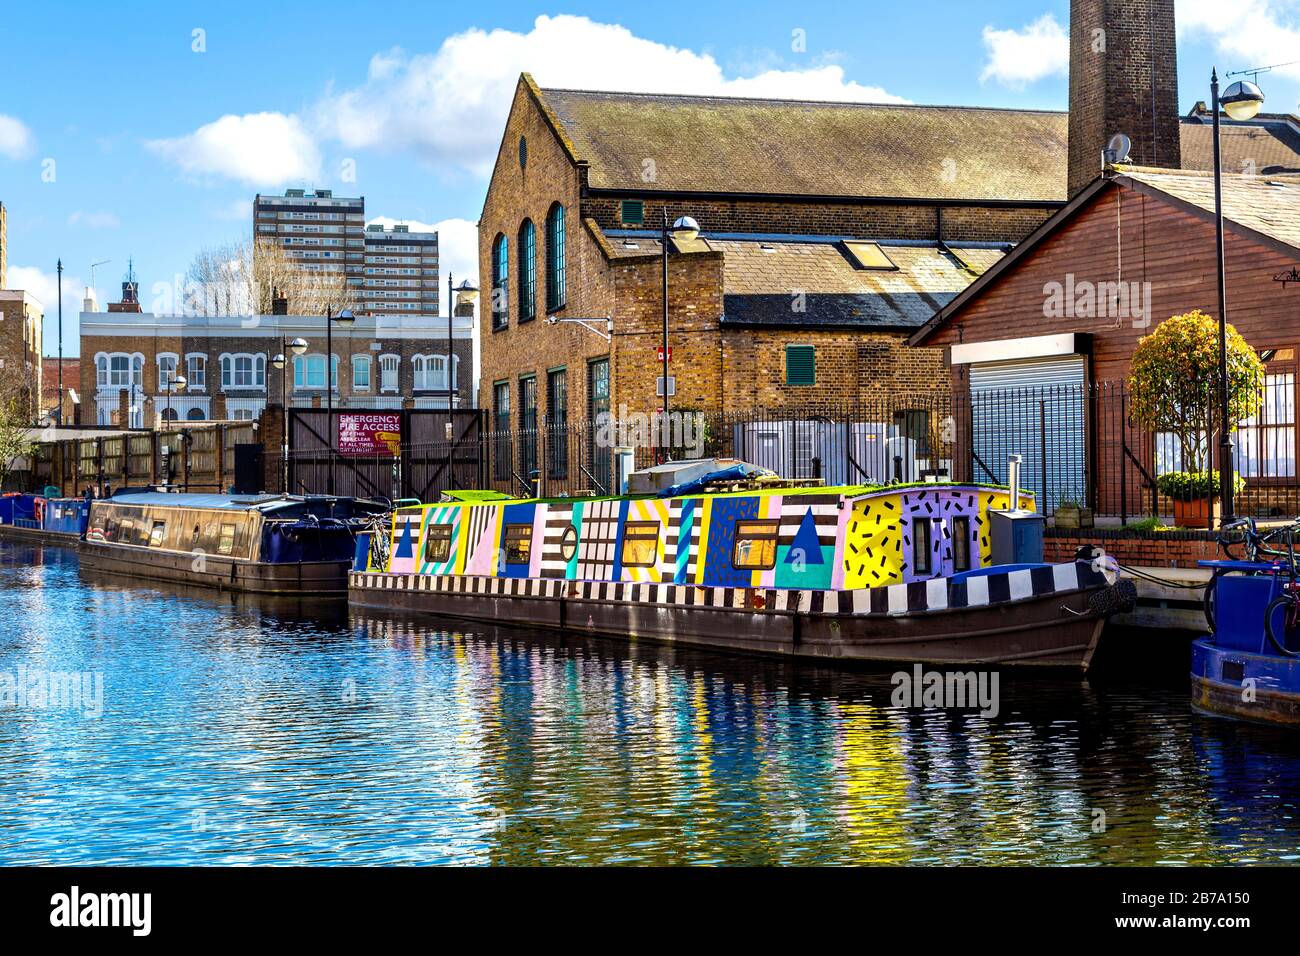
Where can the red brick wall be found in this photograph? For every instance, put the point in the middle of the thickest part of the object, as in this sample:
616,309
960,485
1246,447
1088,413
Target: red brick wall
1170,550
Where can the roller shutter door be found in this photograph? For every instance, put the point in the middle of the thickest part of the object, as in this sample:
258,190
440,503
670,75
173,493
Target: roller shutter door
1035,408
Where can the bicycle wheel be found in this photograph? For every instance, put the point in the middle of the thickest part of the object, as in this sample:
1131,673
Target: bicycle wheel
1287,603
1207,601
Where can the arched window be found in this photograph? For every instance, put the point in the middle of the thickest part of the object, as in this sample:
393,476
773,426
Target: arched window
388,366
500,283
243,371
527,271
555,291
195,414
361,373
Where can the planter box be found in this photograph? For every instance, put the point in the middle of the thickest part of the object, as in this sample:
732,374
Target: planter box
1068,517
1196,514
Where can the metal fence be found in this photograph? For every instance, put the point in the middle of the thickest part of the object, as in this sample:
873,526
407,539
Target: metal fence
1079,444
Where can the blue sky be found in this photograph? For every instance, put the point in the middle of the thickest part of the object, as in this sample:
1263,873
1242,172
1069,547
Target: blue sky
124,133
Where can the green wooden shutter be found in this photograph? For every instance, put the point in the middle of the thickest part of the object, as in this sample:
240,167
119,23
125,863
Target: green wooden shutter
800,365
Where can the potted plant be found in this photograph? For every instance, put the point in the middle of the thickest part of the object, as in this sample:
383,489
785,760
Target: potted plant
1194,496
1174,389
1072,514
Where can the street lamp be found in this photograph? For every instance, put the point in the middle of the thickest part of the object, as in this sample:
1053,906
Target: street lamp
172,383
685,229
1241,101
465,293
346,319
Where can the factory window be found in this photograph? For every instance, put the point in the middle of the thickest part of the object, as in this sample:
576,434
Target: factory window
640,544
555,266
632,212
527,271
500,283
755,547
800,365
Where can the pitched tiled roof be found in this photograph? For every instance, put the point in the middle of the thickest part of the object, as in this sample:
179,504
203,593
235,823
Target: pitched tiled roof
1265,204
1265,144
814,285
787,147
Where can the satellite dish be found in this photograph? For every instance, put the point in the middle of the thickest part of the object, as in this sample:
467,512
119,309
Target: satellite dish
1117,149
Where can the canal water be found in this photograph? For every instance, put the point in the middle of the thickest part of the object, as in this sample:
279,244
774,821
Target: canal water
238,731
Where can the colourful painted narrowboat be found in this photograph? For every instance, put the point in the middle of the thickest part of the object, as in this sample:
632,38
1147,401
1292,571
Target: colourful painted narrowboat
895,573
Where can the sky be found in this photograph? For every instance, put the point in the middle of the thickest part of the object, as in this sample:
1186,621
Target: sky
142,131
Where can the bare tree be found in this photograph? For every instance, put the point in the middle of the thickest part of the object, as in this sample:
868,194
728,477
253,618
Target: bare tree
243,279
17,437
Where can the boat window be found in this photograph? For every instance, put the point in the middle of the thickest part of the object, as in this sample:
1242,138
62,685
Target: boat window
569,543
961,544
126,531
519,543
110,530
156,534
196,538
921,546
226,544
640,544
755,548
437,543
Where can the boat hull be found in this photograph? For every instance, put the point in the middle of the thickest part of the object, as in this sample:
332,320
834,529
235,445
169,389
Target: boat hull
1260,688
9,532
325,578
1045,628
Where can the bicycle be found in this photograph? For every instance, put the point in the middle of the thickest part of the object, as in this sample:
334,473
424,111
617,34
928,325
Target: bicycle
1256,550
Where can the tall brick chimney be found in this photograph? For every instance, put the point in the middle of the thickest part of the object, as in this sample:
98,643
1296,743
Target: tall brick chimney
1123,79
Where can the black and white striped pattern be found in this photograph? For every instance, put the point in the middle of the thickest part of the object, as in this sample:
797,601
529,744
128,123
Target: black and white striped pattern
559,518
936,594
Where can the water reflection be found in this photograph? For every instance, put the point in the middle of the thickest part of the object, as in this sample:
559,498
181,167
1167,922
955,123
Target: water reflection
239,730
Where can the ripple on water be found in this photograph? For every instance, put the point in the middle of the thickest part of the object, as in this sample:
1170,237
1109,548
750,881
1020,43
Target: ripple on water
242,732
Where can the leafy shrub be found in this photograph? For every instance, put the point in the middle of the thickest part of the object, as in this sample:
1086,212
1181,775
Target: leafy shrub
1194,485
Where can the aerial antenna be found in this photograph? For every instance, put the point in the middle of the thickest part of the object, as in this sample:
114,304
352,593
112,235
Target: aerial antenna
1254,72
94,266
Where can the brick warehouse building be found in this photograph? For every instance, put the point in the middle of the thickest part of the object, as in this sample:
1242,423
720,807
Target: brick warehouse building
830,231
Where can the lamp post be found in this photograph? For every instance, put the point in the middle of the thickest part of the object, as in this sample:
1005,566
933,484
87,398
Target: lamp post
60,412
1241,101
685,229
298,346
466,292
345,318
172,383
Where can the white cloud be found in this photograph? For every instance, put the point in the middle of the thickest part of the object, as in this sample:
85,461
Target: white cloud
1017,58
93,220
44,287
451,105
261,149
16,140
1251,32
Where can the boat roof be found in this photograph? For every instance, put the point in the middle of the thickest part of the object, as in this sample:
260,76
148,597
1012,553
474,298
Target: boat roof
261,502
844,491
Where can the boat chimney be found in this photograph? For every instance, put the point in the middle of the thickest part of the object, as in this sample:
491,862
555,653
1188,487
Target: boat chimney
1013,479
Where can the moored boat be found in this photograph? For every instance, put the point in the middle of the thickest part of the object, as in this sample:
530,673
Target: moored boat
43,519
1249,667
900,573
263,544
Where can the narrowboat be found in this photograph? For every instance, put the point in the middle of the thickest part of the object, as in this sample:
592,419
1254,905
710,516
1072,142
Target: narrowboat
260,544
1248,668
900,573
43,519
